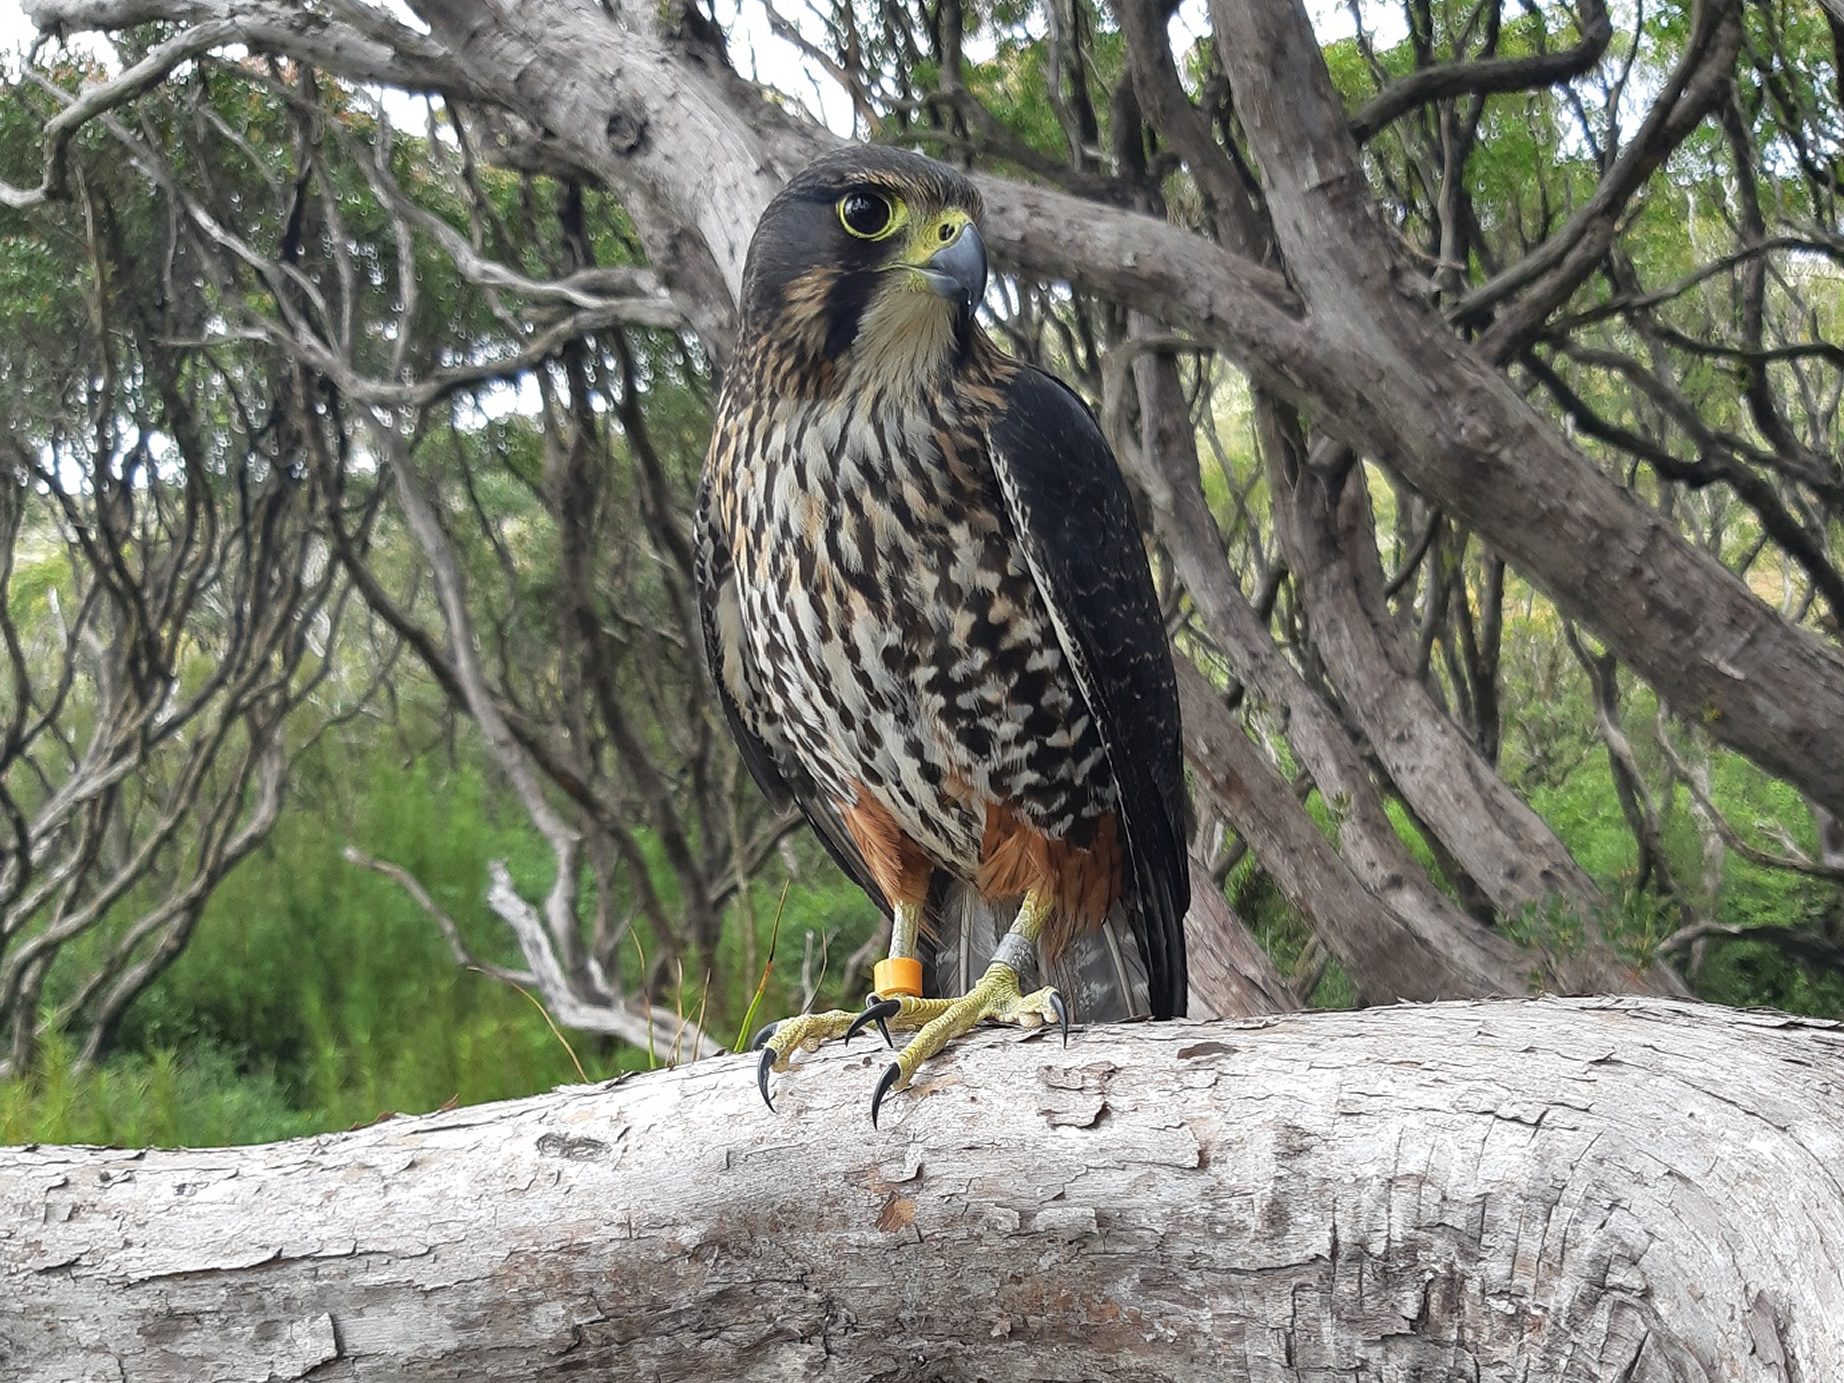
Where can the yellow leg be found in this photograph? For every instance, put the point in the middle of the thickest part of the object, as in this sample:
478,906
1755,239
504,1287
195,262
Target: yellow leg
996,998
805,1032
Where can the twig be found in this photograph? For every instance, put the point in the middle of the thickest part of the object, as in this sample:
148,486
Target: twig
768,966
409,883
556,1032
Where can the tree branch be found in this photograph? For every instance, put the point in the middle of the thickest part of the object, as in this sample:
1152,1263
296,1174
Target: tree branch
360,43
1492,76
1468,442
1530,1189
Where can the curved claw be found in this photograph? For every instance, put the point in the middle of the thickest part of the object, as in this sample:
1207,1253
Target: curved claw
763,1033
890,1077
875,1012
1062,1014
763,1067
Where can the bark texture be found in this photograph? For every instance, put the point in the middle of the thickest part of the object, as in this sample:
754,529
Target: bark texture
1641,1190
1457,430
647,103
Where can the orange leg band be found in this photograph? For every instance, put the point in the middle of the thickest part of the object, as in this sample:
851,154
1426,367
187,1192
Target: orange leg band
897,977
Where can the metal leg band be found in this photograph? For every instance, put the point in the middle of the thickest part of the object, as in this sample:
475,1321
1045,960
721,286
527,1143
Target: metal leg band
1016,952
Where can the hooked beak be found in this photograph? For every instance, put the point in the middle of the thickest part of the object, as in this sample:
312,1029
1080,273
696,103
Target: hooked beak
957,270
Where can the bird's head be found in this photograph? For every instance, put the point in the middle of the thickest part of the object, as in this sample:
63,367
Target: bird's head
866,269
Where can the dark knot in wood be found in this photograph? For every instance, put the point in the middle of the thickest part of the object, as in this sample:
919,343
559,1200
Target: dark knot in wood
625,130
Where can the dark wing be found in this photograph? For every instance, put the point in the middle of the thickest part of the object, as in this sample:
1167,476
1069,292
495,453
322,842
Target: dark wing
1075,519
778,775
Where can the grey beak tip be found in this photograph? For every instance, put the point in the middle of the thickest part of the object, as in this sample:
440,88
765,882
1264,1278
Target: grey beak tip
958,269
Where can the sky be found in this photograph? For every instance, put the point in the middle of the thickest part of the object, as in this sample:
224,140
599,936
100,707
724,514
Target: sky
757,51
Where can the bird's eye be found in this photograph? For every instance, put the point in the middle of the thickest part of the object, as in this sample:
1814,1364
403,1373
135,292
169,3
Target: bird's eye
866,215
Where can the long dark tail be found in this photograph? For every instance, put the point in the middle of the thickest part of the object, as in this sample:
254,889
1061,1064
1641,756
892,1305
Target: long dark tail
1101,975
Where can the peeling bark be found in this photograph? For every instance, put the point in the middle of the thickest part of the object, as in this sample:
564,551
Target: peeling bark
1537,1190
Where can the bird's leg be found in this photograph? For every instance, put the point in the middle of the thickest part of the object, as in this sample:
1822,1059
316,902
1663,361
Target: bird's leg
995,998
899,982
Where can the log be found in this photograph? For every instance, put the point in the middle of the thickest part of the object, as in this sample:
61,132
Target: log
1633,1189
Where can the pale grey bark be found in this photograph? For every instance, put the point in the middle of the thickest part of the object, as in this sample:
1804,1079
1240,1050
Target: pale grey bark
1536,1191
695,153
623,96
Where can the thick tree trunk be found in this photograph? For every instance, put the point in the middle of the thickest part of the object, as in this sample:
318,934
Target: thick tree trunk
1536,1190
695,153
1458,431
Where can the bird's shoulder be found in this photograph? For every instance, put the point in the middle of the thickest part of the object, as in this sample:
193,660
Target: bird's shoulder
1061,478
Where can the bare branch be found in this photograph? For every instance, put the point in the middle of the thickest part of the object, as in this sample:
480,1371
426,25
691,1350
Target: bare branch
1445,81
457,948
653,1031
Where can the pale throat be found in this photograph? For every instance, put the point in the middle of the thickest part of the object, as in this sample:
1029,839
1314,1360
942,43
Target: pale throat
905,338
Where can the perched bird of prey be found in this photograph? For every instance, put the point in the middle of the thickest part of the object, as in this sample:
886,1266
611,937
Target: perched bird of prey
928,611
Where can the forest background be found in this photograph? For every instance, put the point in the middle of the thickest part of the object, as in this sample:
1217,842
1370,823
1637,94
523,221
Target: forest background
281,685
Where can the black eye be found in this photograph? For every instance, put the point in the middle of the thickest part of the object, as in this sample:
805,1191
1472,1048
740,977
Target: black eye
866,215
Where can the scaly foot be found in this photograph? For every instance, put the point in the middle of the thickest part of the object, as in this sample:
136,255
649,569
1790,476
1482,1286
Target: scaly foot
804,1032
995,999
936,1022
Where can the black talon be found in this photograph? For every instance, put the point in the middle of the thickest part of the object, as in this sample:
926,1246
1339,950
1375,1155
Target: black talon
890,1078
875,1012
762,1069
763,1033
1062,1013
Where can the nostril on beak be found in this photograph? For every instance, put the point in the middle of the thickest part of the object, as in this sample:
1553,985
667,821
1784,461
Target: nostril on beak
958,268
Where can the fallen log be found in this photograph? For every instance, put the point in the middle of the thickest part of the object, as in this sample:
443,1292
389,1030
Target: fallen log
1633,1189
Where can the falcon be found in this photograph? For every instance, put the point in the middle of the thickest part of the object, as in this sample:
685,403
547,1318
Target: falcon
929,616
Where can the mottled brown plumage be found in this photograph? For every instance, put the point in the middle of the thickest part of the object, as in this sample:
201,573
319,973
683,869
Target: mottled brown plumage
925,600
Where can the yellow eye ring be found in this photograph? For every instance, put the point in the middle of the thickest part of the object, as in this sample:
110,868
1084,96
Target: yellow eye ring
868,215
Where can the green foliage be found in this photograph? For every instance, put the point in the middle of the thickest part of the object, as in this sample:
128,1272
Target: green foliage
1585,812
317,995
1283,934
826,904
1759,974
200,1098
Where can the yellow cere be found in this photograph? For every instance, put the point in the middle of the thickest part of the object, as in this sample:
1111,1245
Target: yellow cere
938,232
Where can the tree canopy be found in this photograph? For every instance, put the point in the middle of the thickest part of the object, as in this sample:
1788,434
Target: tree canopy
1475,365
